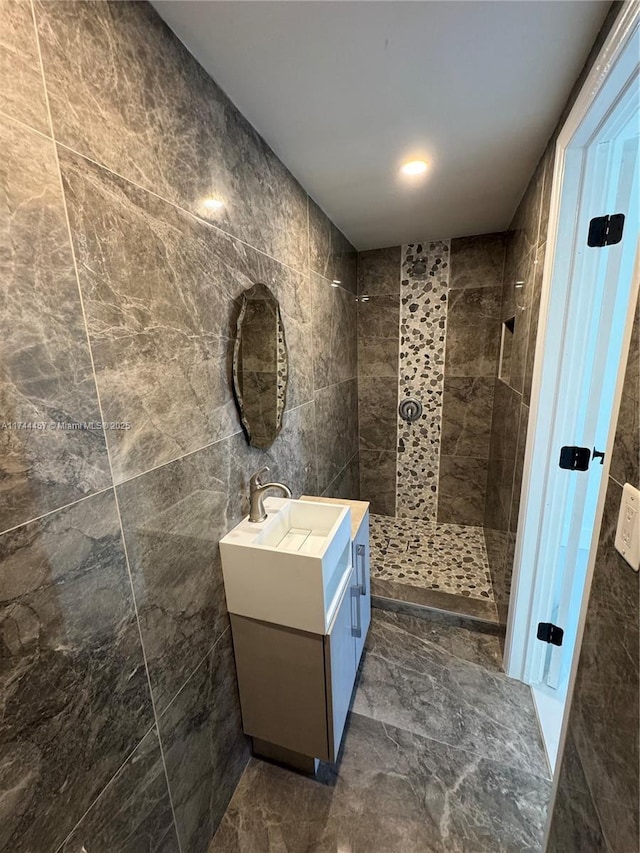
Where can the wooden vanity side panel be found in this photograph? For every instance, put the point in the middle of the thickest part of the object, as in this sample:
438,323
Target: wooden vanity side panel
281,679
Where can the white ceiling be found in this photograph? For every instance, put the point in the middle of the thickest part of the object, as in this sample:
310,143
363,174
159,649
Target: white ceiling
344,92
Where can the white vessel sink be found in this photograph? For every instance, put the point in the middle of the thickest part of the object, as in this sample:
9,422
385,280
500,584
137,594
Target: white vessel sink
291,568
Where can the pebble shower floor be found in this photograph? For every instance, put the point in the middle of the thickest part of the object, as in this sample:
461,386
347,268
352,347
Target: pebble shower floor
448,557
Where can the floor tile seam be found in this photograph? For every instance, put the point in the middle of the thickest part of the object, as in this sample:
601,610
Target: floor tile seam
531,723
429,647
459,749
410,670
500,677
512,762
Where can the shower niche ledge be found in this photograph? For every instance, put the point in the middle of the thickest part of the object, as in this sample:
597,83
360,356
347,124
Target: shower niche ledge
298,594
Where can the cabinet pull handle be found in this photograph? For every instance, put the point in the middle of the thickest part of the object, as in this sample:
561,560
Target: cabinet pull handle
360,552
356,592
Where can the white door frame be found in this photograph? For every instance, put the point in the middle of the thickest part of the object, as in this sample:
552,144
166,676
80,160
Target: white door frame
609,73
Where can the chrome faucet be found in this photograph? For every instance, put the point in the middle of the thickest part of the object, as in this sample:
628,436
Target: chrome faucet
256,495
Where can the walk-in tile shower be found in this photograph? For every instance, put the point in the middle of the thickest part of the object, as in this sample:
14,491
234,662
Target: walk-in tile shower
429,331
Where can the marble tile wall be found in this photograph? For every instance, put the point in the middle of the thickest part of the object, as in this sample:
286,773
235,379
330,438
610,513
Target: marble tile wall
120,726
473,343
520,300
597,803
428,327
378,364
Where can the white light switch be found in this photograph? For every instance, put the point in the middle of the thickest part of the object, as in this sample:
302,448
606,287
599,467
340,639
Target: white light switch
628,530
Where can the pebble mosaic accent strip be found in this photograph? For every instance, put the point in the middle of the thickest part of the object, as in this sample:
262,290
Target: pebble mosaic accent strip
423,326
448,557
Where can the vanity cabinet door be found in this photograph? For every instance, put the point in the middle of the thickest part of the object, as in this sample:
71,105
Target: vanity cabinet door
361,564
341,666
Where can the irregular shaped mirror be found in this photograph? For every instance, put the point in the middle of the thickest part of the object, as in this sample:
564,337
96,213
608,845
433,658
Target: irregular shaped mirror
260,366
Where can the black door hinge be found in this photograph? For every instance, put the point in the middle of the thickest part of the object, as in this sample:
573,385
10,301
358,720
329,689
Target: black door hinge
549,633
575,458
578,458
605,230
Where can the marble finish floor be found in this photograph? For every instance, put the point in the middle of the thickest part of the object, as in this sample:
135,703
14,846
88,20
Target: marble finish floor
442,754
451,558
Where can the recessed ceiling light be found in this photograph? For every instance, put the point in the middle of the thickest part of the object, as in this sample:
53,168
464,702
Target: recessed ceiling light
213,203
414,167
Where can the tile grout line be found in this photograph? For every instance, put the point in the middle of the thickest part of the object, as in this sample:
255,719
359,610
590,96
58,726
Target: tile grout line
177,206
116,485
113,484
146,734
12,120
184,210
193,671
171,461
56,509
117,505
333,385
465,750
51,139
331,284
341,471
107,786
